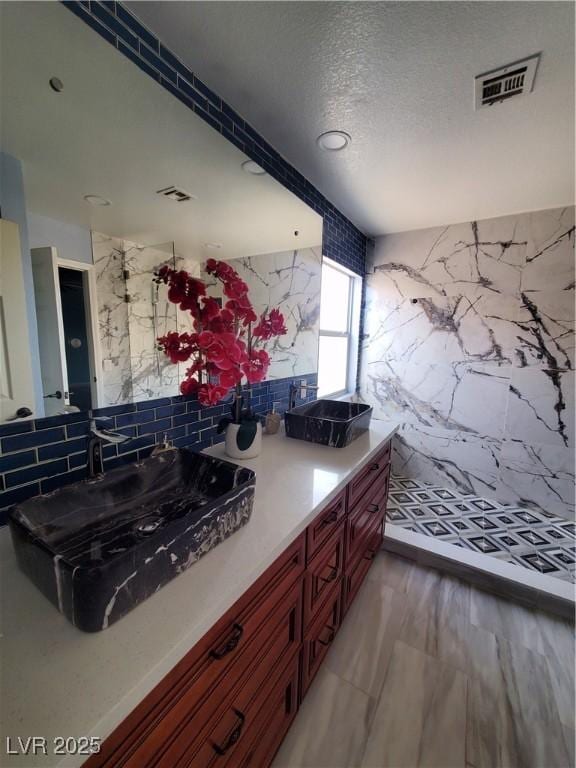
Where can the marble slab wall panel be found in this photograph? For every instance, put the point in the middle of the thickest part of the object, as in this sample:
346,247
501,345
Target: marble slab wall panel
132,368
110,286
470,344
289,281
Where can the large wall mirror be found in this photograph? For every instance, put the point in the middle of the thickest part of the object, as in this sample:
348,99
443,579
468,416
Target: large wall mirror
105,177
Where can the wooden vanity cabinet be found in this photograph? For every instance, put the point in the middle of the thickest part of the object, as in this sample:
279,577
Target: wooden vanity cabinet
231,699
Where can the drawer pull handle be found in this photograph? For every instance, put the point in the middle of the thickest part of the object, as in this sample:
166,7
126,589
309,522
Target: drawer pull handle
331,636
375,467
230,644
234,736
370,555
332,576
373,508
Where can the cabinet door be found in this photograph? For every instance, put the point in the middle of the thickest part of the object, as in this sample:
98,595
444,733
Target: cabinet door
365,479
360,565
319,637
325,569
325,524
366,513
276,717
230,712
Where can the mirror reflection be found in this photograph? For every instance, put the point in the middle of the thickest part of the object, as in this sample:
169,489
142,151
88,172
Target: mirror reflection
98,195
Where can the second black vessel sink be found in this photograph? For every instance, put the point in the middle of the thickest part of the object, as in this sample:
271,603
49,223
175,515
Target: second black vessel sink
98,548
328,422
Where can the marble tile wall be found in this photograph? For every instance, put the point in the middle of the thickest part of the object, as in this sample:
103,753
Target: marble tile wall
289,281
132,368
470,344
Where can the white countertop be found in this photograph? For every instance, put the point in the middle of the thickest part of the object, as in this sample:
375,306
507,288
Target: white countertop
59,681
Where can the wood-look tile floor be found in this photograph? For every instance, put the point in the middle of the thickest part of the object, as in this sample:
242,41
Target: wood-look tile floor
427,670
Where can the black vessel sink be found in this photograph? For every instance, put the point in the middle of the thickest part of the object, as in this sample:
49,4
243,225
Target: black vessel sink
98,548
328,422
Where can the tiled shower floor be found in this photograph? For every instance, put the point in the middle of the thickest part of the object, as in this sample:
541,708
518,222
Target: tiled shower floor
538,541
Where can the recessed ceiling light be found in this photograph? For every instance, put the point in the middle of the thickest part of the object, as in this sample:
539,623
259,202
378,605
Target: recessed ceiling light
333,141
97,200
213,246
251,167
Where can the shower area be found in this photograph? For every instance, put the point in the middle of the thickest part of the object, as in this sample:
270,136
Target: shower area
133,311
469,346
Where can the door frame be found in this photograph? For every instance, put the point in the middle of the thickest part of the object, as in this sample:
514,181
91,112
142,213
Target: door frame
92,324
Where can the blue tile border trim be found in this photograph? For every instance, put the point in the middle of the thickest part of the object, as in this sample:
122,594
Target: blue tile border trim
341,240
40,456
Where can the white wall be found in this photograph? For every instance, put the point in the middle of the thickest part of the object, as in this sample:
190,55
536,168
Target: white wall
71,242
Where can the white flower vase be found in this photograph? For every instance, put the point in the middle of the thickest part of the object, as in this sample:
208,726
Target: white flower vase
243,441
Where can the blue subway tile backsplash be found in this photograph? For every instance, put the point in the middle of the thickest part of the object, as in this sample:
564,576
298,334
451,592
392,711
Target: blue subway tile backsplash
50,453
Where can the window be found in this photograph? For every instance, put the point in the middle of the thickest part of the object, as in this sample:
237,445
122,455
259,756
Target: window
338,343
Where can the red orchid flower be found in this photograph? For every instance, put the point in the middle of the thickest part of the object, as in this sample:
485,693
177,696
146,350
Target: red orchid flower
222,348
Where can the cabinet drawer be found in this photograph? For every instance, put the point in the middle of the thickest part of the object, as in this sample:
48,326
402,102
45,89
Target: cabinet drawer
218,661
325,524
360,565
275,719
366,512
319,637
233,738
230,710
323,571
366,477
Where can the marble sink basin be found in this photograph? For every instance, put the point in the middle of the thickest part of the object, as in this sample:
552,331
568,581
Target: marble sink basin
328,422
100,547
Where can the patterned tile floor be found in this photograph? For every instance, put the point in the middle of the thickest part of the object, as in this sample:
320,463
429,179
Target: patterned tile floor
536,540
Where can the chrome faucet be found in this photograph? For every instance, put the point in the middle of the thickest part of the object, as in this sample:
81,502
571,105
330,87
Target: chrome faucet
293,393
99,436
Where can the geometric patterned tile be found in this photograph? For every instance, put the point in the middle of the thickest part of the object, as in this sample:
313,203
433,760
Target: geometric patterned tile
483,505
509,541
441,510
424,495
554,534
460,526
484,523
569,528
532,537
538,541
506,520
419,513
538,562
526,517
436,528
395,514
563,556
484,544
408,484
401,497
442,493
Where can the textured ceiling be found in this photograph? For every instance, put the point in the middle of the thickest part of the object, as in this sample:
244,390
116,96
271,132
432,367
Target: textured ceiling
399,78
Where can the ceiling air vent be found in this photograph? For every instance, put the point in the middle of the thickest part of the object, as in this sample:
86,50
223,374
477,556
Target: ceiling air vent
499,84
173,193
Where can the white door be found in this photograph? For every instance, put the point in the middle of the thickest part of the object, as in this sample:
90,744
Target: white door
16,386
50,329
